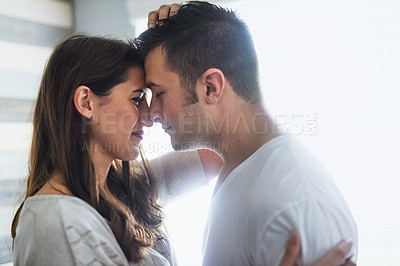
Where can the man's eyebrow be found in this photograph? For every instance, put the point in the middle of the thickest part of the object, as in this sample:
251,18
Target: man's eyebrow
138,90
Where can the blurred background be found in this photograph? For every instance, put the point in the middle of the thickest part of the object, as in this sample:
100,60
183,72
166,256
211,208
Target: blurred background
330,72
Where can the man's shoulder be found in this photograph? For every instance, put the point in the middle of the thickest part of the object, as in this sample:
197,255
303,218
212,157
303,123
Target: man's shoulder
280,153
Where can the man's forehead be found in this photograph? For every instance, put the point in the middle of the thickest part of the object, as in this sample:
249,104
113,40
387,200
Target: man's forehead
157,52
151,85
156,66
154,62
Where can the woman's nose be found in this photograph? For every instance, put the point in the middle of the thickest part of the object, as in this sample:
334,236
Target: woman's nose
144,114
154,110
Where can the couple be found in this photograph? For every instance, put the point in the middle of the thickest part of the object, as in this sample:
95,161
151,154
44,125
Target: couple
87,202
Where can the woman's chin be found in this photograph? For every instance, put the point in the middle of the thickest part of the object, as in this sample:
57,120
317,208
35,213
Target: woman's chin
133,155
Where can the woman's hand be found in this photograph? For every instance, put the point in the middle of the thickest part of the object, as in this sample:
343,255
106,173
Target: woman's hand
211,161
163,12
332,258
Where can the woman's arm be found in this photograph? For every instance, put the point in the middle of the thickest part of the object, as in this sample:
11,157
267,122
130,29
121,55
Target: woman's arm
176,173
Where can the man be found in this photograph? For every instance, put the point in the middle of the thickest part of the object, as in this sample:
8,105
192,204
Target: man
202,68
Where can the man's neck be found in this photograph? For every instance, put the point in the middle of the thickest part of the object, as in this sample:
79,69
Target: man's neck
249,129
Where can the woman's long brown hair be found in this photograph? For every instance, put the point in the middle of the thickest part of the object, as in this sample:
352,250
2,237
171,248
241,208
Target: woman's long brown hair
60,140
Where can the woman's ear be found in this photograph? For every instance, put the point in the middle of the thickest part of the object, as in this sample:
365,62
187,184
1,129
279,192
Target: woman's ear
83,101
213,84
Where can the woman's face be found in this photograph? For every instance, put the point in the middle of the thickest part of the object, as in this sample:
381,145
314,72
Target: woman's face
116,128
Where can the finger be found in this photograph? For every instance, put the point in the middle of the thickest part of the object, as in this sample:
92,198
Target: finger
336,255
292,250
349,262
174,9
151,19
163,11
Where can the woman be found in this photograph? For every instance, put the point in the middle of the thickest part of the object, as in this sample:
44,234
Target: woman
84,201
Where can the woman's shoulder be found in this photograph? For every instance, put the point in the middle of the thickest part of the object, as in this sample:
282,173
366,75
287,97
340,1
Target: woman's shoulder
61,223
57,204
62,209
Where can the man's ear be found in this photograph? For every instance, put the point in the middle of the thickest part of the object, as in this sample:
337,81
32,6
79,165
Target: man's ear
213,84
83,101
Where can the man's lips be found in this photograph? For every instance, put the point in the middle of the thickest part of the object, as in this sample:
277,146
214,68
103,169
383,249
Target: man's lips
166,129
138,134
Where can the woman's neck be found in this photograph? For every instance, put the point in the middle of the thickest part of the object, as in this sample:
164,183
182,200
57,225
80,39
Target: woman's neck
55,186
101,163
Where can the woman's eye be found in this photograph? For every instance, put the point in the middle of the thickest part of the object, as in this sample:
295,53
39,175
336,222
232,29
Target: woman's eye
138,100
141,98
158,94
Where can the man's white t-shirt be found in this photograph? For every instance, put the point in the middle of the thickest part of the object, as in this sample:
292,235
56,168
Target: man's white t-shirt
279,188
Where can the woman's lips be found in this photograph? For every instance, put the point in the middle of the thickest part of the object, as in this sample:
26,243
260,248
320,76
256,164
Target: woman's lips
138,134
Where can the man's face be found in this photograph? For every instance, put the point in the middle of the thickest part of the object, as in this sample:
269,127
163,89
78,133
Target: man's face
168,104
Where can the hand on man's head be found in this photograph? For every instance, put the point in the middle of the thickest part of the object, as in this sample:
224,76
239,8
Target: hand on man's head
163,12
